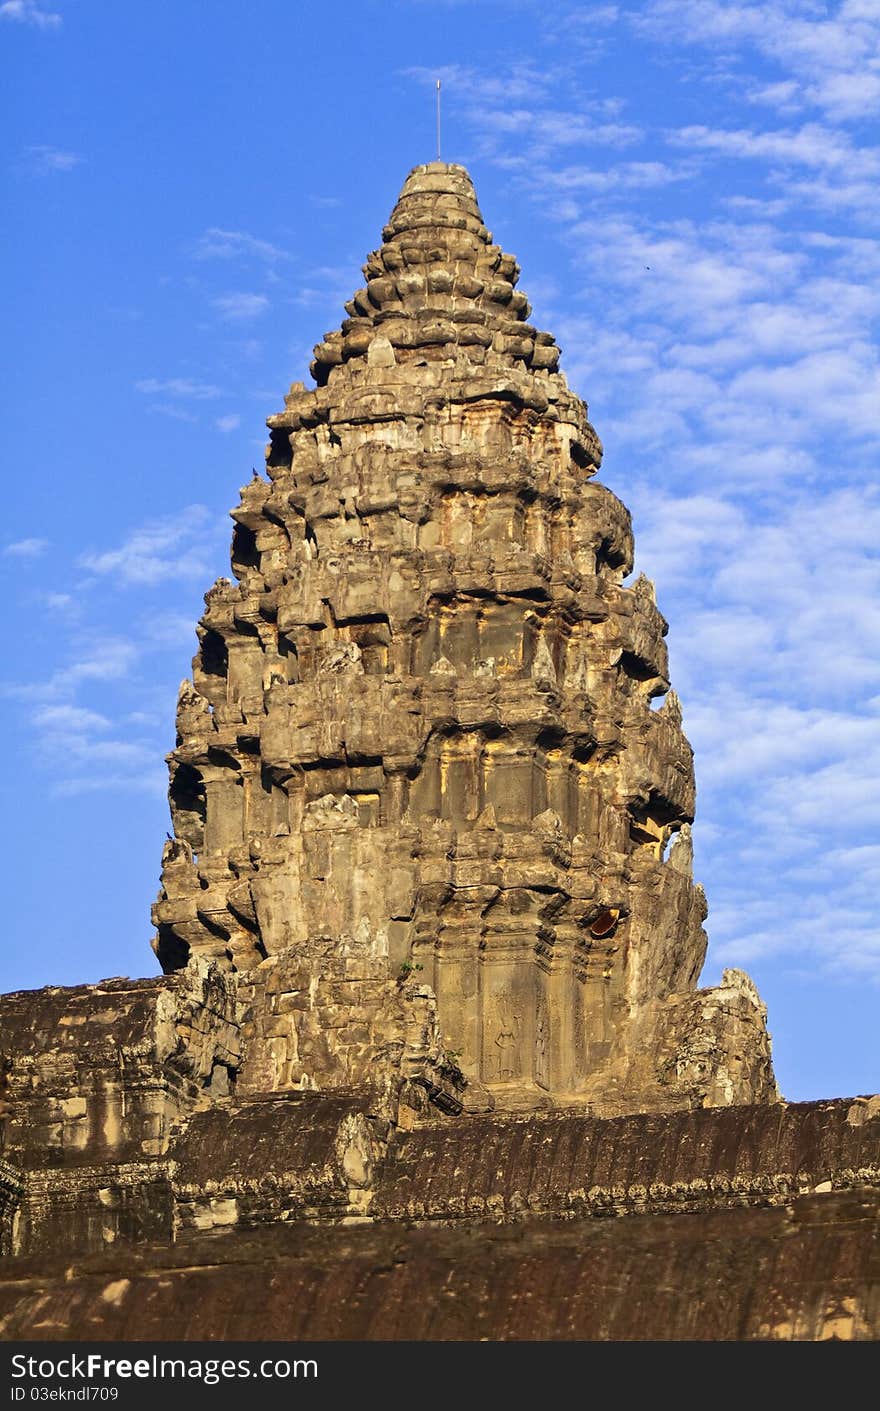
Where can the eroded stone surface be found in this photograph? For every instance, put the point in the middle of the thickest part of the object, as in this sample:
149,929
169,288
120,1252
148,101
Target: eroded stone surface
98,1081
803,1272
421,799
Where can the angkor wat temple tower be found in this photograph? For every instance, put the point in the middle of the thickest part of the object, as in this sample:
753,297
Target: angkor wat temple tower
429,929
422,799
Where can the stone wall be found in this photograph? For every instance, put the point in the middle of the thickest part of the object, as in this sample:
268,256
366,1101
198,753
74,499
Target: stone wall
805,1271
98,1081
200,1156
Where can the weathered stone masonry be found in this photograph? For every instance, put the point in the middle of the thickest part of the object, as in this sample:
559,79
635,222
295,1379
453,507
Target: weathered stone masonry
427,921
419,743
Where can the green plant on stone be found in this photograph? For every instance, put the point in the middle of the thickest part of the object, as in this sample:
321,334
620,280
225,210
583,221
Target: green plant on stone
407,969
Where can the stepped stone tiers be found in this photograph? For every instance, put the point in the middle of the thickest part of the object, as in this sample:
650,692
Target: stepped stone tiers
421,799
427,921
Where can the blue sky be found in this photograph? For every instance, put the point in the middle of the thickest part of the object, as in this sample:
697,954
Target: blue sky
692,190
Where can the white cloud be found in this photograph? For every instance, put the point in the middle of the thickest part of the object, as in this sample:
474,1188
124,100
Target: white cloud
26,548
546,130
106,659
75,742
239,307
698,272
170,629
624,176
784,96
228,423
812,145
174,411
521,82
149,778
29,12
589,17
517,117
842,386
183,387
850,94
778,327
842,173
324,285
860,198
786,740
774,605
46,159
69,719
177,547
91,658
62,602
220,244
833,57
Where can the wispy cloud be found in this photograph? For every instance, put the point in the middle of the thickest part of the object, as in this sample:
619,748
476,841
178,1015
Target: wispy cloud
62,603
29,12
786,728
92,718
620,177
812,145
177,547
49,159
237,308
524,81
145,776
26,548
106,658
91,657
169,629
545,131
79,746
67,719
841,173
183,387
228,423
182,390
725,331
522,106
217,244
832,53
325,285
174,411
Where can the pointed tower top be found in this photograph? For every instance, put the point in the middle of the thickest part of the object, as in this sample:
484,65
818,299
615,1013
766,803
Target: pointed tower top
439,286
437,194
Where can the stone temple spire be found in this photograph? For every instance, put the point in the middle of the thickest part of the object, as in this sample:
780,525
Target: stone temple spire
421,800
439,283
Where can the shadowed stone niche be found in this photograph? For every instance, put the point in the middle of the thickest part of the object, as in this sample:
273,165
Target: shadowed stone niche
422,803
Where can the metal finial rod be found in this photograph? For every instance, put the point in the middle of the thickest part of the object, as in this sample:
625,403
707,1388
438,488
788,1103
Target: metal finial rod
438,120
